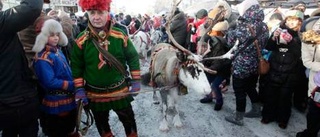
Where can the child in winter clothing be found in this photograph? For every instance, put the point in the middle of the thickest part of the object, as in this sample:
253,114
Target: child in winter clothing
54,74
286,70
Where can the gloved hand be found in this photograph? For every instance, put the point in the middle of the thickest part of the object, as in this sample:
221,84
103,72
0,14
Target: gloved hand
80,94
135,86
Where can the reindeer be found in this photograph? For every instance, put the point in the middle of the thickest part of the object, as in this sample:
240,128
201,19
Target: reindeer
142,43
172,65
155,36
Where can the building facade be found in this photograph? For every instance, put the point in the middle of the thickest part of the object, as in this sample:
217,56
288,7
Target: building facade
66,5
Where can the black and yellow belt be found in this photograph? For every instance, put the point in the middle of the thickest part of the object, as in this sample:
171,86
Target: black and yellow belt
105,88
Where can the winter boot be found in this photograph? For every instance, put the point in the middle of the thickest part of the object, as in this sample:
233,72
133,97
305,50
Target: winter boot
206,99
254,112
237,118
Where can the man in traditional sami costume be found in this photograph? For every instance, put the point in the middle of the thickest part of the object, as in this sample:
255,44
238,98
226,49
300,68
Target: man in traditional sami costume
98,80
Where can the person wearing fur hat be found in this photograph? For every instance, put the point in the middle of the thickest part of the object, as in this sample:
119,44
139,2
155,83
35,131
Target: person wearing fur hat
99,62
286,74
19,103
250,27
217,44
54,75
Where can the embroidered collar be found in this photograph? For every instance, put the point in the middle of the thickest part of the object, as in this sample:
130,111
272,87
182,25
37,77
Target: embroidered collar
53,49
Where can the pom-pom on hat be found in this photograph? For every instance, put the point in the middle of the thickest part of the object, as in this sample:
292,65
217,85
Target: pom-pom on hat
49,26
294,13
95,5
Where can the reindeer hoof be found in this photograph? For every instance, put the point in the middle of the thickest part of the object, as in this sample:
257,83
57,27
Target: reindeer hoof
178,125
164,126
164,129
177,122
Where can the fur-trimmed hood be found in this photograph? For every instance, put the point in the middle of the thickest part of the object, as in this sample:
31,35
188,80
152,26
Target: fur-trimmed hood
49,26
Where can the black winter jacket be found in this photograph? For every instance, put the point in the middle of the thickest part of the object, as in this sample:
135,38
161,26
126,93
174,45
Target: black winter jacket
286,66
15,75
218,47
178,28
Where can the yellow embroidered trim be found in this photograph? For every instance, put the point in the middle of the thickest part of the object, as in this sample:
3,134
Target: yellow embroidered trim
82,39
57,103
135,74
118,34
91,94
78,82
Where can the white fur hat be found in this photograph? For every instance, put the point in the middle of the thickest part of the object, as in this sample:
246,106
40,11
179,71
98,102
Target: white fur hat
49,26
221,26
245,5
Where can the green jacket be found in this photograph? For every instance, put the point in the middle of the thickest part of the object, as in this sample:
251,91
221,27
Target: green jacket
88,65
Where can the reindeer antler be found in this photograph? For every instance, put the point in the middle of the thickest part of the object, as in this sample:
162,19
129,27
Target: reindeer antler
227,55
195,58
217,18
175,43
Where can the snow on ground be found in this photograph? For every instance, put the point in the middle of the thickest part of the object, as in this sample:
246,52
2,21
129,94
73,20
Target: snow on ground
200,120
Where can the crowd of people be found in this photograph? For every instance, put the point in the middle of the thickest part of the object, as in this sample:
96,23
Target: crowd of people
51,61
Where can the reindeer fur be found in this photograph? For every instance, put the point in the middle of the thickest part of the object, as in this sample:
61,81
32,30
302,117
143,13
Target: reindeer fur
166,71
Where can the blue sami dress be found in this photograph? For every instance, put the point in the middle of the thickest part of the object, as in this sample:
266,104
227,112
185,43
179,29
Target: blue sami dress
54,75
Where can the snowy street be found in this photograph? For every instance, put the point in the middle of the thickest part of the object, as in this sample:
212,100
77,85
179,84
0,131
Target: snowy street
200,120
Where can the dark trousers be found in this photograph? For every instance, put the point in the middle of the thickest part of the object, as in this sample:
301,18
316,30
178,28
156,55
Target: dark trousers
277,104
313,120
243,87
126,116
215,82
59,126
300,94
20,120
262,87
